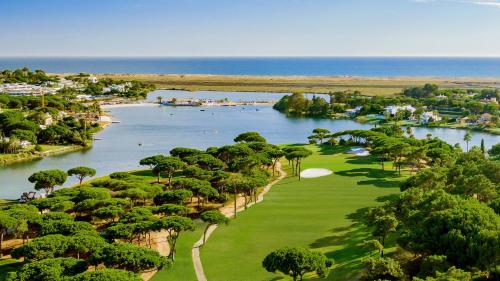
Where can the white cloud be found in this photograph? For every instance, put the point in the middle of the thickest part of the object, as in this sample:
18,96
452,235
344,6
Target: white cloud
493,3
487,3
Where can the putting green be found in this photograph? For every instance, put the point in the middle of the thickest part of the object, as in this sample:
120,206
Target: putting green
322,214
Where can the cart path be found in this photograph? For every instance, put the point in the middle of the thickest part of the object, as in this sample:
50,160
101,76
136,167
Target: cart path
228,211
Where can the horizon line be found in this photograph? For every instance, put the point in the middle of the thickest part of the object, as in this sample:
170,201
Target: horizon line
256,57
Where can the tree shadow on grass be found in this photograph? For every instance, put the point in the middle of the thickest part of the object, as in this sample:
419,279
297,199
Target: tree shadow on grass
348,258
367,172
326,149
295,144
385,198
362,160
7,267
380,183
143,173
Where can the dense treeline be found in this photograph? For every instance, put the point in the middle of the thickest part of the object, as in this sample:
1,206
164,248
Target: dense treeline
24,75
455,102
446,220
131,89
109,222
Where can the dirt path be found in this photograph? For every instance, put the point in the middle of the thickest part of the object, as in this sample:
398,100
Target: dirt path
159,243
228,211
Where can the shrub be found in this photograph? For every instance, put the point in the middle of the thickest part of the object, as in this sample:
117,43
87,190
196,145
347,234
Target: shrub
93,193
107,274
119,176
50,269
130,257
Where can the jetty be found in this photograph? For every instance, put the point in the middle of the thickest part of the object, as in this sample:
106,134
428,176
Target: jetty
210,102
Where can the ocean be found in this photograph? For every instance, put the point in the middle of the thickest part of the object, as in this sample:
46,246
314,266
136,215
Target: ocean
306,66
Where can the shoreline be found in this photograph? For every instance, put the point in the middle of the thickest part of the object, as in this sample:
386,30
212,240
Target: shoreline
27,156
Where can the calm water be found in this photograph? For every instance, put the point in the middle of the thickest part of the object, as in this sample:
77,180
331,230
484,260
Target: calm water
160,128
357,66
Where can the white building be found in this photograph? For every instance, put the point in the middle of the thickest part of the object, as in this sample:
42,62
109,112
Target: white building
93,79
47,119
353,111
115,87
25,143
83,97
22,143
394,109
429,116
105,119
120,87
20,89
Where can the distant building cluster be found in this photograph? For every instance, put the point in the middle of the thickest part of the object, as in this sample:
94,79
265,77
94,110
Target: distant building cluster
117,87
20,89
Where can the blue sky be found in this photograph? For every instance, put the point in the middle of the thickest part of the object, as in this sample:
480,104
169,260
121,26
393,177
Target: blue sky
250,28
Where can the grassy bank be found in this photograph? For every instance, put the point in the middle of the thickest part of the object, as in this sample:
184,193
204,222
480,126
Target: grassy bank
367,85
6,159
323,214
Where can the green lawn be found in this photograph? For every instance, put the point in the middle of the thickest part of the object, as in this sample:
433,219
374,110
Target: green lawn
322,214
183,267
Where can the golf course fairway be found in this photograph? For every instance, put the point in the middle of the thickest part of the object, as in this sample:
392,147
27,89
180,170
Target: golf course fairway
322,214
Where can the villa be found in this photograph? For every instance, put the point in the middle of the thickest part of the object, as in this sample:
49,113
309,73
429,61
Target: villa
47,120
93,79
394,109
83,97
485,118
21,89
23,143
115,87
430,116
489,100
353,111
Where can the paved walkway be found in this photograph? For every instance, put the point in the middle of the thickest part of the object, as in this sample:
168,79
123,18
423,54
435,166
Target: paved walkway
228,211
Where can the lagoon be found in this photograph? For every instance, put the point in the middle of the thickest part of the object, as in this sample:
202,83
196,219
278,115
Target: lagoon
160,128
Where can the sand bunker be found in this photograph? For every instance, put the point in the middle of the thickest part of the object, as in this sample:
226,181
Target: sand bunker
359,151
315,173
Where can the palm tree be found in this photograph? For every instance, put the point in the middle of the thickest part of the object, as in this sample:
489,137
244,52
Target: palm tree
159,99
467,139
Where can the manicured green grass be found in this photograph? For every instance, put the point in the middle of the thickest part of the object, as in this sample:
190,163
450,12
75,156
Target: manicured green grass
323,214
183,267
6,266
